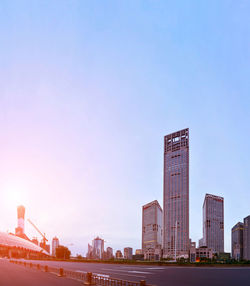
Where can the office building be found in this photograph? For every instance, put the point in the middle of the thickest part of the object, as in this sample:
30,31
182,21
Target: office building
138,251
55,244
151,227
176,195
109,253
98,248
213,223
237,241
246,238
90,251
201,242
118,254
128,253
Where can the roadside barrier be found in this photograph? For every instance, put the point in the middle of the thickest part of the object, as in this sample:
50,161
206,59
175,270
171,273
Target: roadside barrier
88,278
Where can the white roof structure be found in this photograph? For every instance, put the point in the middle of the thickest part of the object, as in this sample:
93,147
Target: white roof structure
11,240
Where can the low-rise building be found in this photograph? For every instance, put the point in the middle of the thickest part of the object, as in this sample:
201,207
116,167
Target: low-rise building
152,253
192,252
203,253
138,251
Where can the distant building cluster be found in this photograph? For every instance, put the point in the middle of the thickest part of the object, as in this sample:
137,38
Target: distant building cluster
165,231
96,250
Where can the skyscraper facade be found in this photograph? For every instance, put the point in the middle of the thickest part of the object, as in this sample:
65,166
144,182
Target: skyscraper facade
176,194
246,238
237,241
213,223
151,226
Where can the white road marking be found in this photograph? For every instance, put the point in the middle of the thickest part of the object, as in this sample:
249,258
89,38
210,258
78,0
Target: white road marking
123,274
139,272
155,268
103,275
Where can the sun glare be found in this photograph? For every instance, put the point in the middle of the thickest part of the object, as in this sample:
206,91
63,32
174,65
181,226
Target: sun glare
15,196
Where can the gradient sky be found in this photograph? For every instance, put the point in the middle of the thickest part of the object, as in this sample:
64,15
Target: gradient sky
88,89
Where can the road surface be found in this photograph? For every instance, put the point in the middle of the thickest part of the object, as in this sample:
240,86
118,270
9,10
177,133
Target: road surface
18,275
164,275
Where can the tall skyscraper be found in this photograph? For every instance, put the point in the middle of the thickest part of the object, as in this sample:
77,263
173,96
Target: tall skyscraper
151,226
246,238
213,223
176,194
55,244
237,241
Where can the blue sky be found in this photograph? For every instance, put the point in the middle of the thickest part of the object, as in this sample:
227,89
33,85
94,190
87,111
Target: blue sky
88,89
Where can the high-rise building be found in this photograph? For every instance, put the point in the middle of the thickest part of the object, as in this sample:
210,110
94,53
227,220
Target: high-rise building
55,244
151,226
90,251
109,253
20,220
246,238
213,223
118,254
237,241
176,195
128,253
98,248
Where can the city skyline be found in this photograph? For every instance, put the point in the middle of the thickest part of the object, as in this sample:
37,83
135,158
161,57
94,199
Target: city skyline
87,93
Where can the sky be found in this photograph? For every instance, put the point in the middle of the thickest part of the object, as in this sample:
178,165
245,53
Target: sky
88,89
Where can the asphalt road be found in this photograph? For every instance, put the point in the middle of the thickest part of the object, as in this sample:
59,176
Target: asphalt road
18,275
164,275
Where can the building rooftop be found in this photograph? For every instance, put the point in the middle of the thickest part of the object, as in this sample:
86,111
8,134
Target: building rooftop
11,240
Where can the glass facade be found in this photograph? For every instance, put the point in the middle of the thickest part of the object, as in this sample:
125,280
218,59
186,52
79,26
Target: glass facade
176,194
237,241
246,238
151,226
213,223
98,247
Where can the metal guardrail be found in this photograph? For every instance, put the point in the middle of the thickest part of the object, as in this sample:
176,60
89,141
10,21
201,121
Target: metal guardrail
87,277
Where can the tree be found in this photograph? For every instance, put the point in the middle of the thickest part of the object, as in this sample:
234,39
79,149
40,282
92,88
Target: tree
62,252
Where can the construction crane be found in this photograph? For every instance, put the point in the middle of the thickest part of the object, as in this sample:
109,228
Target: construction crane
43,235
